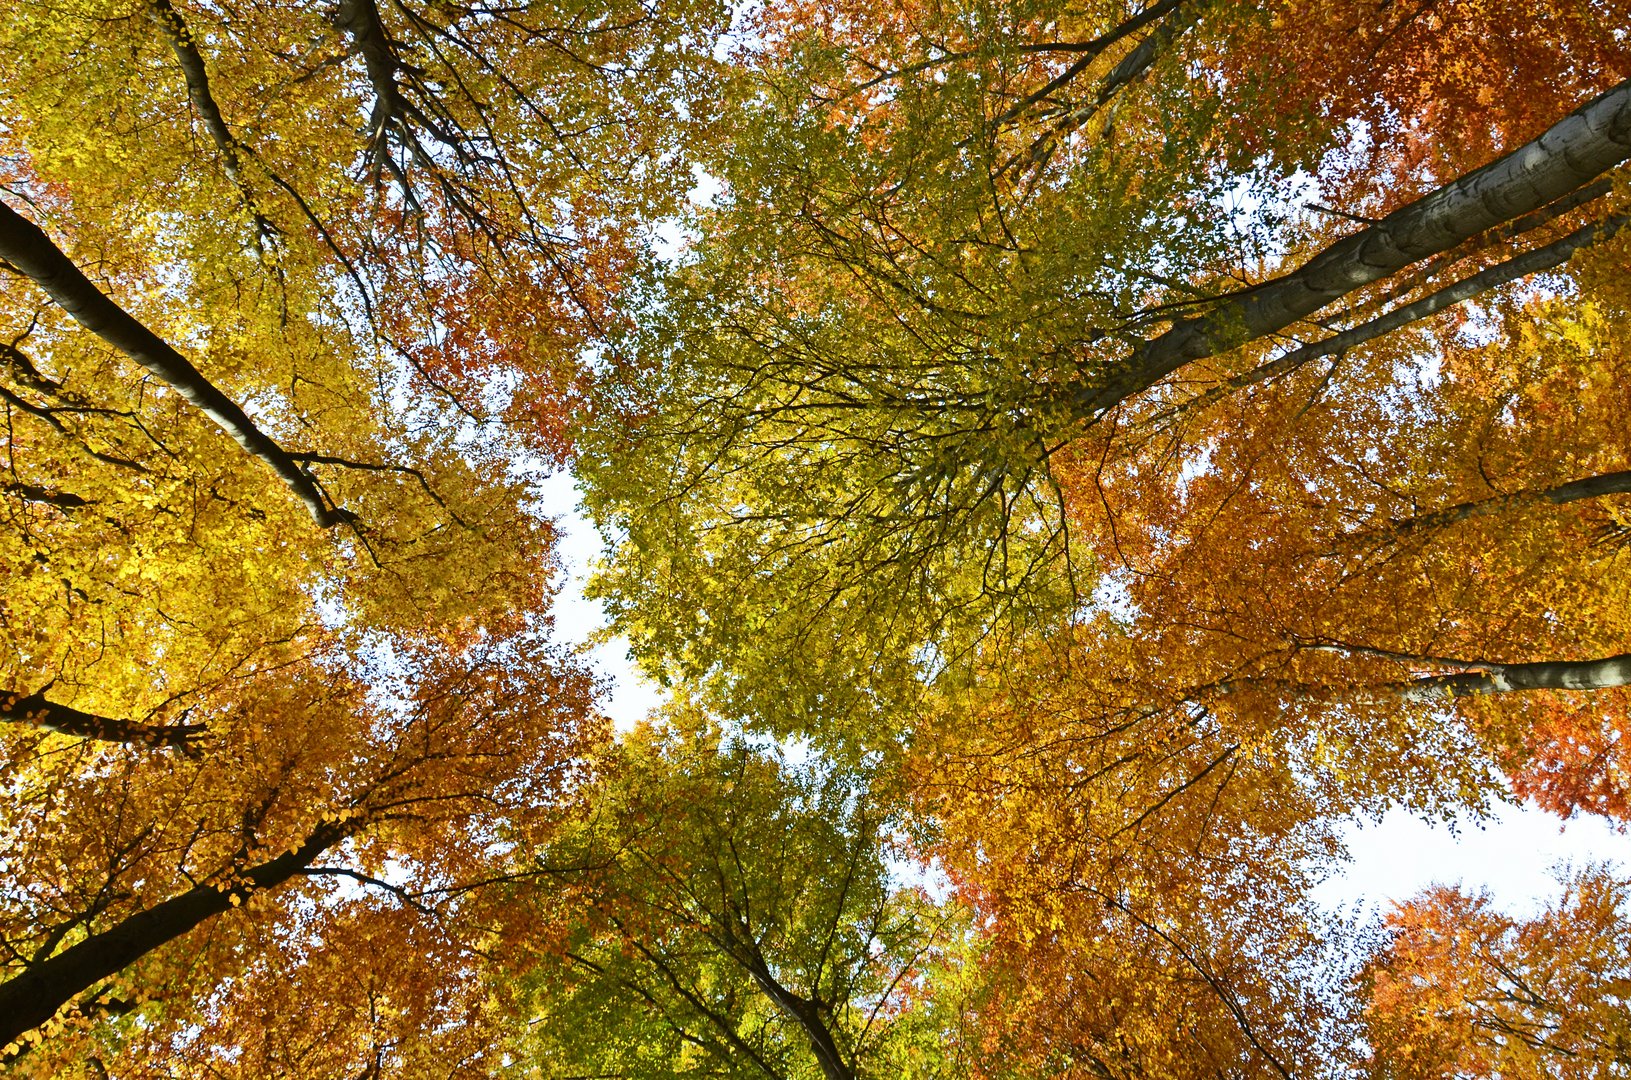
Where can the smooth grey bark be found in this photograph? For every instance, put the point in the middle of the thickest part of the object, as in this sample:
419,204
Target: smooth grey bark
35,711
26,248
1530,262
33,997
806,1014
1573,152
191,62
1603,674
1589,487
360,21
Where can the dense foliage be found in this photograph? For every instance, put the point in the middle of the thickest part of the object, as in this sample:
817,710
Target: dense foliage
1074,459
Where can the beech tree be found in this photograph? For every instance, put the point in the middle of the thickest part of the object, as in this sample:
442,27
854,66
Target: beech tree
744,923
1083,454
138,879
886,343
194,253
293,305
1005,365
1464,990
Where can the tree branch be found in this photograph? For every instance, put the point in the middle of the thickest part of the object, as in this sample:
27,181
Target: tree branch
1091,50
35,996
31,252
1530,262
35,711
1603,674
1589,487
1588,142
1129,70
191,61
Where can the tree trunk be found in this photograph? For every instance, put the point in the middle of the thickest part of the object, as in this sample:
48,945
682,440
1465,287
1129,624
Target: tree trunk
807,1016
1573,152
31,252
35,711
191,61
1603,674
360,21
34,997
1589,487
1530,262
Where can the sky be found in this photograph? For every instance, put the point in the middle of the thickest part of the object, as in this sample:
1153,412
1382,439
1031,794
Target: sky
630,696
1511,854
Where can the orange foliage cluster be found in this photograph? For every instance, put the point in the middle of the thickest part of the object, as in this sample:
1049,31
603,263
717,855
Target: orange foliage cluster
1464,990
1430,89
1574,754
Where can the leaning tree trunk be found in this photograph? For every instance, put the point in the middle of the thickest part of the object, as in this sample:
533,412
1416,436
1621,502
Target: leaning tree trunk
1604,674
35,711
27,249
1549,257
35,996
1587,487
1573,152
807,1015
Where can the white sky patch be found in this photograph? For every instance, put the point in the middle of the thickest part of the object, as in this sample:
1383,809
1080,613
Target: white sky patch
1195,466
1114,596
578,620
672,239
929,876
1511,855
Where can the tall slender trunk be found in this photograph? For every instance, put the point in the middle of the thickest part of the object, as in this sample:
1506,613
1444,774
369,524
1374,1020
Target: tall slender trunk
193,69
1573,152
31,252
738,944
807,1016
34,997
1519,266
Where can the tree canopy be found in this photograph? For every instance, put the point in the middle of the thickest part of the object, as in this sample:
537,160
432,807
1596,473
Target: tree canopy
1064,461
